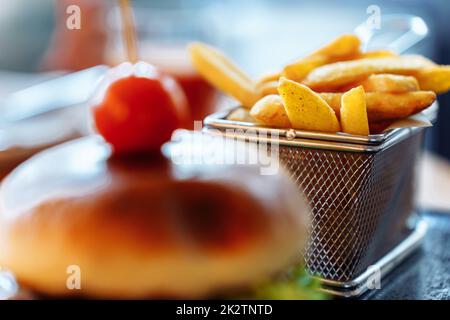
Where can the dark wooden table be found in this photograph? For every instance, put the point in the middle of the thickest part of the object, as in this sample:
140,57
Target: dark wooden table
426,274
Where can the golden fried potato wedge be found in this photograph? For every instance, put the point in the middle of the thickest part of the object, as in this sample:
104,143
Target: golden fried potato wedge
306,110
343,48
377,54
347,45
270,111
298,70
335,75
391,106
436,79
269,88
374,83
241,115
382,106
390,83
354,112
217,69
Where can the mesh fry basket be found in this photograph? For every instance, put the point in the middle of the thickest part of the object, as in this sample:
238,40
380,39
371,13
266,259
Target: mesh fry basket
361,194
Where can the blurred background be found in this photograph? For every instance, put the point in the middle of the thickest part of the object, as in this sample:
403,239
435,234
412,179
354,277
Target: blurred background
260,35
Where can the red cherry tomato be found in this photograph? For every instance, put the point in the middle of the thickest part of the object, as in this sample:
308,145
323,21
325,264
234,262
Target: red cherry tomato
139,114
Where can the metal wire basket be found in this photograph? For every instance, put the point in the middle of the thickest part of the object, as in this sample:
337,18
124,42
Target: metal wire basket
360,191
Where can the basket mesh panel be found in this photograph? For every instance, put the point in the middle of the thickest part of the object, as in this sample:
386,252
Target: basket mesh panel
358,202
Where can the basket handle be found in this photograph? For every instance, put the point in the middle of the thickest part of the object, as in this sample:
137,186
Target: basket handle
395,32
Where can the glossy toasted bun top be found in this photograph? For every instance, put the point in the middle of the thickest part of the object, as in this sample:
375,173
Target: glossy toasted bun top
144,226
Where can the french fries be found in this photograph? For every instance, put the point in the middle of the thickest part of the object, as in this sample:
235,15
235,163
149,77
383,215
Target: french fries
324,56
336,87
390,83
217,69
335,75
306,109
298,70
354,112
383,106
343,48
268,78
269,88
376,54
270,111
436,79
241,115
374,83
